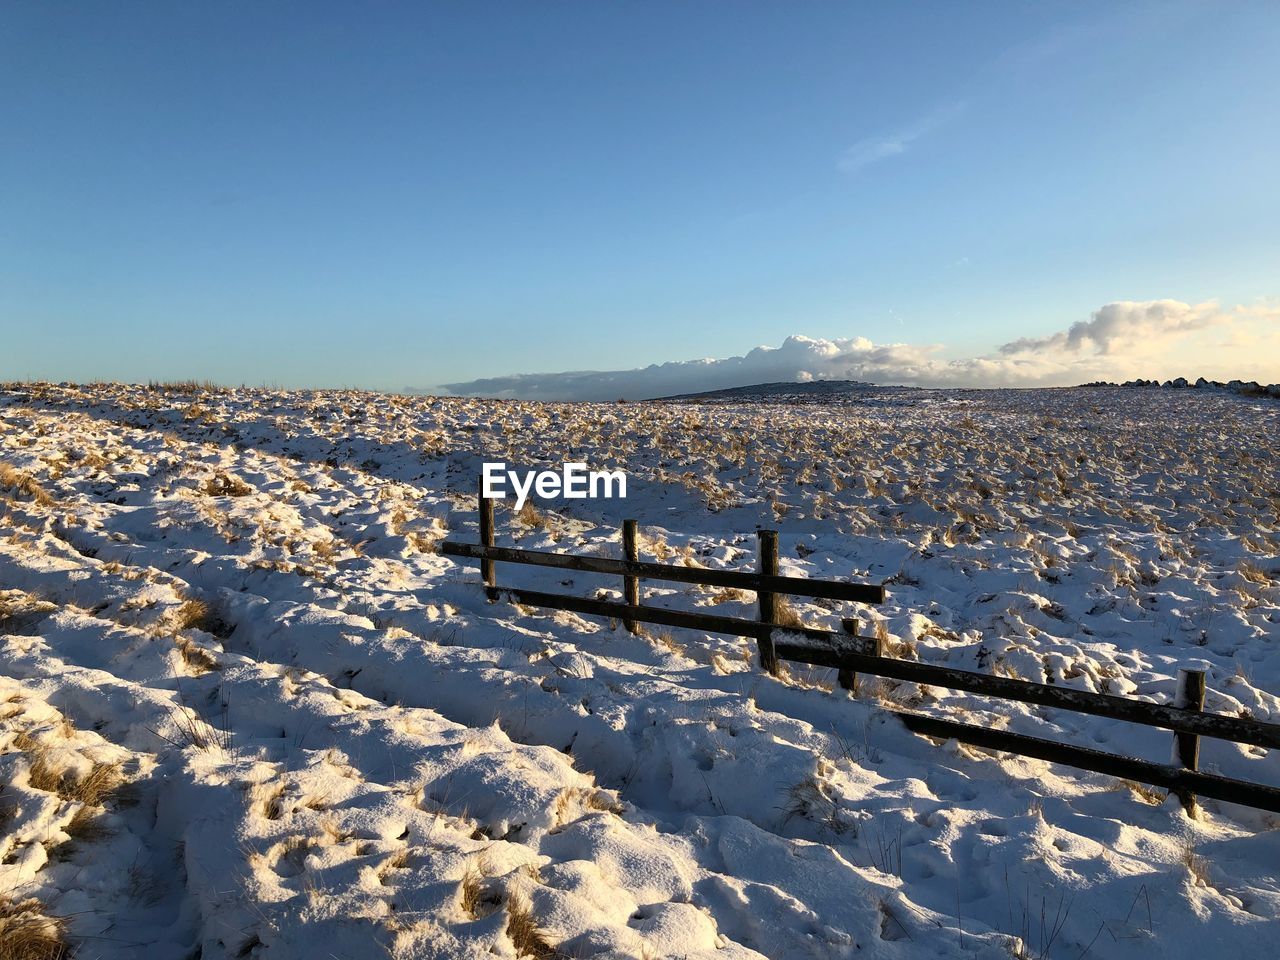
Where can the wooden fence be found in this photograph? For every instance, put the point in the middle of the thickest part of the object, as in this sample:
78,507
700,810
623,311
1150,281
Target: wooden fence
850,654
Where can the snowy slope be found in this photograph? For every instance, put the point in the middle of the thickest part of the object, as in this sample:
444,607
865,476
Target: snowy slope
246,709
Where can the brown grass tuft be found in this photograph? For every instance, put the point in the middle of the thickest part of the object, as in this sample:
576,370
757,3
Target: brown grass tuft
1140,790
185,386
523,930
600,800
15,483
892,646
784,614
91,789
85,825
26,933
531,516
226,485
1197,866
193,614
423,542
1255,574
198,659
196,614
272,808
96,786
663,638
471,890
20,611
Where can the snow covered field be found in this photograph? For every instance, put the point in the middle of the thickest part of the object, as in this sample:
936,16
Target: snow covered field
247,711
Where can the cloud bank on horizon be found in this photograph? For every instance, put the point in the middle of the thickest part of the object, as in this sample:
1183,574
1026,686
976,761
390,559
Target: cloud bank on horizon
1120,341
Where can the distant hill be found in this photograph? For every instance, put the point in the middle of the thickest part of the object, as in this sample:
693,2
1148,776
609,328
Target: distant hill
785,391
857,391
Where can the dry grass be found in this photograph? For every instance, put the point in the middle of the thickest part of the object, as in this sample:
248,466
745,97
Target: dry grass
92,789
85,825
185,386
423,542
1197,866
95,787
935,632
1003,668
727,595
196,614
663,638
272,808
26,933
198,659
326,550
15,483
397,861
523,931
600,800
892,646
574,800
471,895
19,611
8,810
1140,790
194,730
193,614
335,833
226,485
784,614
1255,574
808,800
531,516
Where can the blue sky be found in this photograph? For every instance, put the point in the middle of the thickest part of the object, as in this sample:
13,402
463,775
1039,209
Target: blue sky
396,194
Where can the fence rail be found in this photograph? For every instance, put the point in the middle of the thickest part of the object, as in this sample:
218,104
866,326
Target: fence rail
735,579
1179,719
851,654
1181,781
710,623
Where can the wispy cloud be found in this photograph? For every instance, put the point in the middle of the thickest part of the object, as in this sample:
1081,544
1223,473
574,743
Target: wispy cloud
1121,340
871,150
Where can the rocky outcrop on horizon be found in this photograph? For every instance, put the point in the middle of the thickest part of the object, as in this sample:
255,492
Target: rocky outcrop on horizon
1248,388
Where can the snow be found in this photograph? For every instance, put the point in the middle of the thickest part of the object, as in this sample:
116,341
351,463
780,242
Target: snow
340,748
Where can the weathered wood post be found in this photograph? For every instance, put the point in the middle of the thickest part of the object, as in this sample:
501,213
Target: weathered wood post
1190,696
768,542
630,584
487,567
848,678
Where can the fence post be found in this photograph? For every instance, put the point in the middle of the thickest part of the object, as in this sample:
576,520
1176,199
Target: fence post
768,542
630,584
848,678
1190,696
487,567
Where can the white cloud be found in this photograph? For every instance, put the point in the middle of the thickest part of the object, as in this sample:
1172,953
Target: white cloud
1121,340
1125,324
